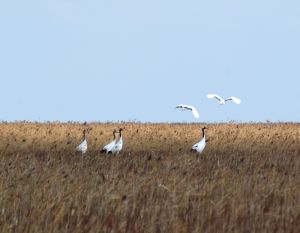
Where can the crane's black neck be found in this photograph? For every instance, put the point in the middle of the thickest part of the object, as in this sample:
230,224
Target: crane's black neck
203,132
120,132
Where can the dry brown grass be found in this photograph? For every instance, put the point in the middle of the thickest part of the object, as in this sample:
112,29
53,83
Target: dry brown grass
247,180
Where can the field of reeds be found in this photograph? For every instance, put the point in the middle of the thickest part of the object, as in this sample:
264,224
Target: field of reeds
247,179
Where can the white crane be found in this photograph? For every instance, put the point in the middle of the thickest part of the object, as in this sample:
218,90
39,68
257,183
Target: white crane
119,145
223,101
190,108
199,147
82,147
107,149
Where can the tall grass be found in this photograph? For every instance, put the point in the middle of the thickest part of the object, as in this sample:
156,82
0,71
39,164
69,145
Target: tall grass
247,179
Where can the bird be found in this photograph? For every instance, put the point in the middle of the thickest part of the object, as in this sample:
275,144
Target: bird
82,147
119,145
223,101
199,147
189,107
107,149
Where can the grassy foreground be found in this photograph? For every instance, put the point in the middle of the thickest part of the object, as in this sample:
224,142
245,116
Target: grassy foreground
247,179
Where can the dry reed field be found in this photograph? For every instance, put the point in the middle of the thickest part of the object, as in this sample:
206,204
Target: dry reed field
246,180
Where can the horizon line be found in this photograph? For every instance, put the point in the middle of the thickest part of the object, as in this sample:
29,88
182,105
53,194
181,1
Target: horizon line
145,122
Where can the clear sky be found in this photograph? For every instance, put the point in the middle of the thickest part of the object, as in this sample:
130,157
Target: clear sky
96,60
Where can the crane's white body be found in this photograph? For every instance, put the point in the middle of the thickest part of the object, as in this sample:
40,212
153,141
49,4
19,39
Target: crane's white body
190,108
82,147
199,147
224,101
119,145
108,148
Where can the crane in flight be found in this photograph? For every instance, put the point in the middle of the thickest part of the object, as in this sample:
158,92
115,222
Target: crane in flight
224,101
190,108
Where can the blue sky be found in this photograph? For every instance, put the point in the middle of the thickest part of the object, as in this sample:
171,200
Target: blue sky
93,60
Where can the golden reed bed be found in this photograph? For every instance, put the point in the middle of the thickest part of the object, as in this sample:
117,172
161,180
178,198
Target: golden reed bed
247,179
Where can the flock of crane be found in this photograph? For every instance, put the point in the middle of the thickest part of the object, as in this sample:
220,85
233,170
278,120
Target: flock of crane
115,147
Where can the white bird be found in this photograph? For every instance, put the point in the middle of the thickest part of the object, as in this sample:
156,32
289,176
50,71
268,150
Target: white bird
82,147
189,107
107,149
199,147
119,145
223,101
